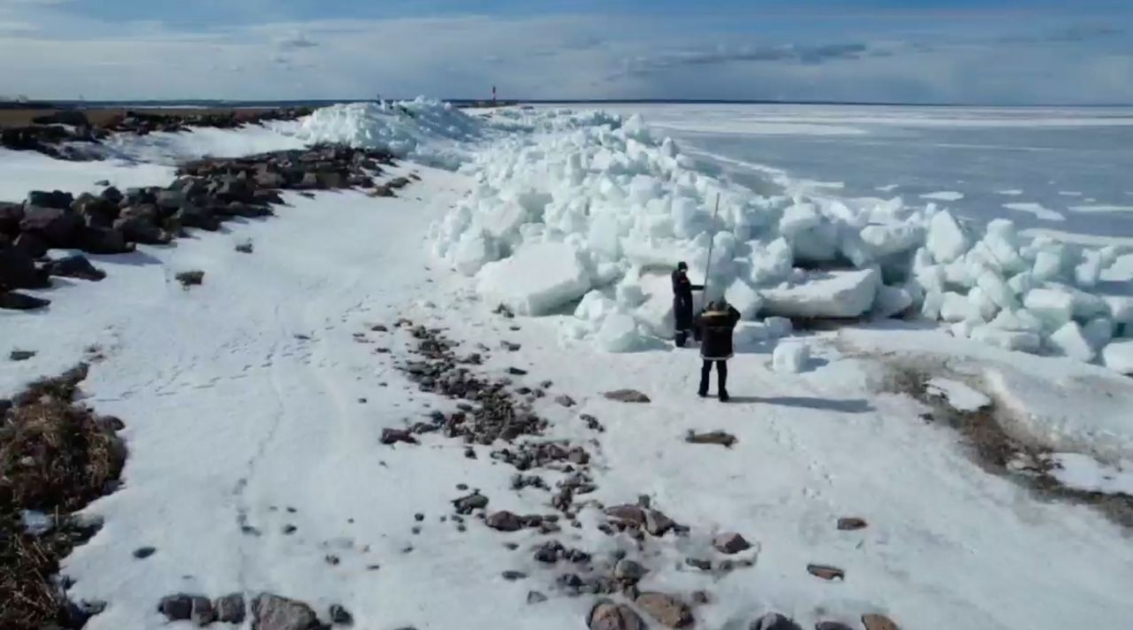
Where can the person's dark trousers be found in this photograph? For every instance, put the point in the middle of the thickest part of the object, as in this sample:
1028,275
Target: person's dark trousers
681,338
721,378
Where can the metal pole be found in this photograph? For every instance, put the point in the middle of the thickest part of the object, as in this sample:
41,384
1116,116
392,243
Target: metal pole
711,244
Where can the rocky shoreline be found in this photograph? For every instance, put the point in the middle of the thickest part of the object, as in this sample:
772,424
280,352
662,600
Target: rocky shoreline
205,194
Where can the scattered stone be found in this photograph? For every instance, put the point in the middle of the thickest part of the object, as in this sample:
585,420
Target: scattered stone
657,524
332,559
627,396
607,615
289,529
379,328
77,266
715,437
176,607
514,371
393,436
592,423
774,621
474,501
851,524
230,609
535,597
703,565
144,552
630,514
13,300
629,571
203,612
565,400
21,355
271,612
878,622
503,310
512,347
667,610
504,521
730,543
245,247
190,278
512,576
826,572
419,517
339,616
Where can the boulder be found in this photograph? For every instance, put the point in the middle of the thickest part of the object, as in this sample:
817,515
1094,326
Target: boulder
112,195
271,612
95,211
10,216
170,200
31,244
608,615
192,216
97,240
56,226
76,266
230,609
504,521
12,300
269,179
666,609
140,229
55,199
232,189
176,607
203,612
17,271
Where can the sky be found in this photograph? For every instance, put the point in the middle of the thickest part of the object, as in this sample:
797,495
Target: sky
1009,52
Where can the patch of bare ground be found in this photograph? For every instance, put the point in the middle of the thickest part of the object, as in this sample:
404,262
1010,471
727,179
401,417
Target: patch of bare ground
56,456
990,445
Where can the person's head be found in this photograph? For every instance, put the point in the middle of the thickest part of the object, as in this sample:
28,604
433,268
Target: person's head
681,266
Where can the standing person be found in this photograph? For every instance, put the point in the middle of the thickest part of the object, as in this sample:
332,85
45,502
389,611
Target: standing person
716,327
682,302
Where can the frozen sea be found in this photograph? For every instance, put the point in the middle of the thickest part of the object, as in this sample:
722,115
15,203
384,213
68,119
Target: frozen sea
1061,171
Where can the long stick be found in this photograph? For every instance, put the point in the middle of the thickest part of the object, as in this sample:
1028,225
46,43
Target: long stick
711,244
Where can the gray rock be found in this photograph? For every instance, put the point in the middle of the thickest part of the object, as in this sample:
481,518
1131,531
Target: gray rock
474,501
193,216
714,437
18,271
773,621
97,240
565,400
272,612
230,609
77,266
504,521
730,543
666,609
339,616
55,199
849,524
631,514
176,607
535,597
170,200
608,615
31,244
140,229
627,396
629,570
14,301
141,553
657,524
203,613
57,227
10,216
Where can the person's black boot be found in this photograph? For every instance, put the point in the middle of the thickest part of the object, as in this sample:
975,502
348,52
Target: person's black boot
724,396
681,338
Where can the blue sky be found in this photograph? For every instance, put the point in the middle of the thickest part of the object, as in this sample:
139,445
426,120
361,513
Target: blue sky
989,51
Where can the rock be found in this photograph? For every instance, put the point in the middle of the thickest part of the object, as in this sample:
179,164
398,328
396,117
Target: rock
21,355
714,437
18,271
176,607
77,266
31,244
244,247
700,598
512,576
393,436
878,622
850,524
607,615
56,226
774,621
657,524
230,609
192,216
565,400
667,610
271,612
12,300
95,240
629,570
474,501
627,396
55,199
76,615
139,229
142,553
190,278
826,572
339,616
203,613
730,543
504,521
631,514
535,597
698,563
11,214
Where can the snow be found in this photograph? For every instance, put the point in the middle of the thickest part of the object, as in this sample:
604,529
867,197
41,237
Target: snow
946,195
1009,193
790,357
743,298
1082,472
230,413
832,294
1071,341
1118,356
1036,209
959,396
1101,208
536,280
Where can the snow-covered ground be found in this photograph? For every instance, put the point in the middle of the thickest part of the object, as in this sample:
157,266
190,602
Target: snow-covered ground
243,396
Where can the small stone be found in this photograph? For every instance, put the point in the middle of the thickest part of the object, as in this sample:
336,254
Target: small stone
565,400
21,355
657,524
629,570
607,615
176,607
667,610
627,396
774,621
504,521
631,514
419,517
332,559
462,486
474,501
190,278
203,612
144,552
393,436
878,622
512,576
703,565
535,597
701,598
416,531
271,612
339,616
730,543
715,437
826,572
230,609
514,371
850,524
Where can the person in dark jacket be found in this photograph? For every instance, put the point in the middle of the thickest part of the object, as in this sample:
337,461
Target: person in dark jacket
682,302
716,326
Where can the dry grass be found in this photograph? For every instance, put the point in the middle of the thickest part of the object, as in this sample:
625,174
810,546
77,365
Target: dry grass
55,457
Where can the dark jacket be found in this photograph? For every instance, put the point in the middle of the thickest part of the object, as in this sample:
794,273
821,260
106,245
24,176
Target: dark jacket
716,329
682,299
